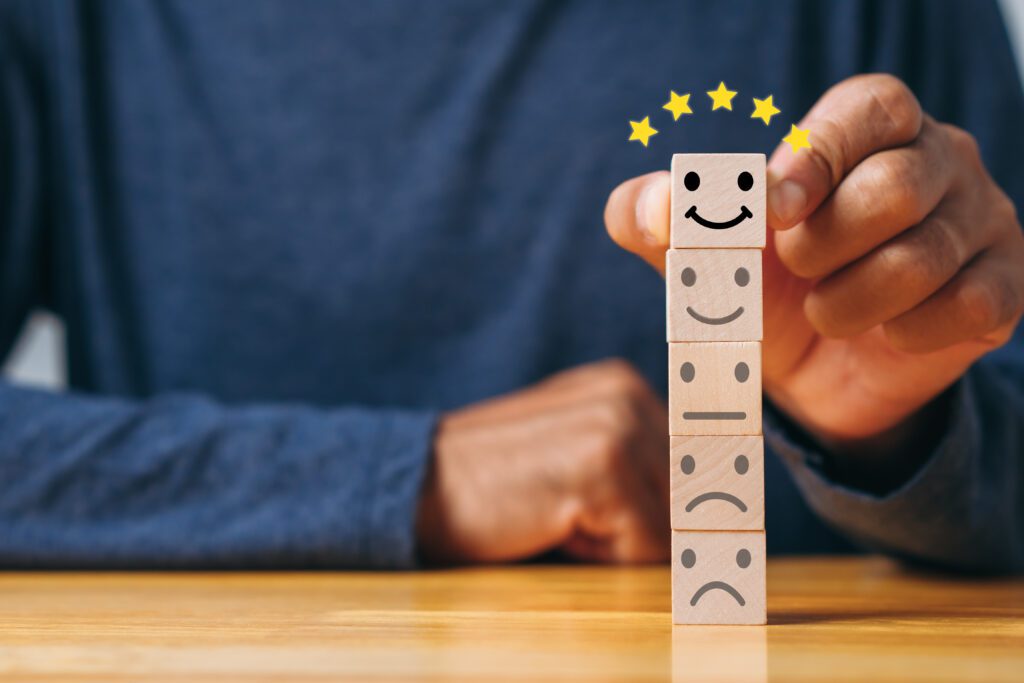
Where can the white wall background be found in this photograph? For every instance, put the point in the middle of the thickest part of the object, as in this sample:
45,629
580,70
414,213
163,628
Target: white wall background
38,357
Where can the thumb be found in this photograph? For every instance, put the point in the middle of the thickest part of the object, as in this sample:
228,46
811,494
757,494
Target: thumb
637,217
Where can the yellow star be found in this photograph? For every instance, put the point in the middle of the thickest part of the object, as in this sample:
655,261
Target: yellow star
797,138
678,105
642,130
764,109
722,98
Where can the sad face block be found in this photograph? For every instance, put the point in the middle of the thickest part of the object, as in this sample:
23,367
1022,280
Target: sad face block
714,388
718,577
717,482
713,294
718,201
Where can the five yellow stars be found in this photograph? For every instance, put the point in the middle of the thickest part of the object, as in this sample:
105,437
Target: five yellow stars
764,109
722,97
678,105
798,139
642,130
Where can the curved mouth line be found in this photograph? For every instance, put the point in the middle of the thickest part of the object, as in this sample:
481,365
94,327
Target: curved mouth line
714,321
720,585
716,495
714,225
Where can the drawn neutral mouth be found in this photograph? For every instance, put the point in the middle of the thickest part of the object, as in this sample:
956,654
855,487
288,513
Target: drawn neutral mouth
714,321
720,585
714,225
719,415
716,495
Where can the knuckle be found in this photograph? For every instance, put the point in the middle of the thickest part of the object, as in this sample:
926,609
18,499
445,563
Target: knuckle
618,416
830,151
923,261
897,105
964,144
898,178
983,306
622,378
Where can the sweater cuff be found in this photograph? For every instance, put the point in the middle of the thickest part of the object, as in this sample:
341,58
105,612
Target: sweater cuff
404,448
910,520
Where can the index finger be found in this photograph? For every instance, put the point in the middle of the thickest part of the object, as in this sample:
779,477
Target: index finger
854,119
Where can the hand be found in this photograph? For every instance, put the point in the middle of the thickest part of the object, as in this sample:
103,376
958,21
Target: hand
895,263
575,463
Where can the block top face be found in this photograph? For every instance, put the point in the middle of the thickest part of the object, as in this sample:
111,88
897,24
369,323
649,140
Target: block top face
718,201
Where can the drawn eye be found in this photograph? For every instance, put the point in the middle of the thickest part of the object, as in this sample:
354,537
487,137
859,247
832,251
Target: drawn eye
745,181
742,558
742,277
741,464
689,558
687,371
687,464
688,276
742,372
692,181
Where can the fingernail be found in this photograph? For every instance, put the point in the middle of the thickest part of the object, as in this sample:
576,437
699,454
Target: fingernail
787,199
647,211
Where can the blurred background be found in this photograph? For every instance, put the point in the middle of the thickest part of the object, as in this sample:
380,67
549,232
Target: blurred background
38,357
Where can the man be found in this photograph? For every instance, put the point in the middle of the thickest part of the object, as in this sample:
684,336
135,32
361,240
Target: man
336,292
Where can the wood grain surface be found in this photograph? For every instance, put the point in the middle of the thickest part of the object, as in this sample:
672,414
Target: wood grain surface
829,619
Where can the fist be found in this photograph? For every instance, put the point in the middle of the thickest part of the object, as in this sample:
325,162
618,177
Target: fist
577,463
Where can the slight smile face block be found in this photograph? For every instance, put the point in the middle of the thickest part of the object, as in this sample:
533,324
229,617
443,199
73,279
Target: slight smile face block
718,201
713,294
717,482
714,388
718,577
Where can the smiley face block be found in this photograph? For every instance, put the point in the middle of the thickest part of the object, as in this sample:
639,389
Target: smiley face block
717,482
713,294
718,201
718,577
714,388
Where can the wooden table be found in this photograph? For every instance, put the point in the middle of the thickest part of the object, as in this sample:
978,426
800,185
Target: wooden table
830,619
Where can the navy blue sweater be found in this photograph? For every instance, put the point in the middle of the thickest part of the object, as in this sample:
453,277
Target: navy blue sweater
284,236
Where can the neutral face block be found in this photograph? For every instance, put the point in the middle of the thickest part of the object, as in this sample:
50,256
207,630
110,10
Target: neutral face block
713,294
714,388
718,201
718,577
717,482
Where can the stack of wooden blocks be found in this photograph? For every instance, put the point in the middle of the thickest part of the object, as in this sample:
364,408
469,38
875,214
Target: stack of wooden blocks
714,302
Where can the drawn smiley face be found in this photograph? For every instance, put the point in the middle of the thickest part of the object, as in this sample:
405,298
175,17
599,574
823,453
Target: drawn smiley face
713,294
718,577
718,200
717,482
714,388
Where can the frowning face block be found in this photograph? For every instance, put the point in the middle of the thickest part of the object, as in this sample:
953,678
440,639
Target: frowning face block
718,577
717,482
718,201
714,388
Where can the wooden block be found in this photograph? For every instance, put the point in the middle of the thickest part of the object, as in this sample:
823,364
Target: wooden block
718,201
722,654
717,482
713,294
718,577
714,388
